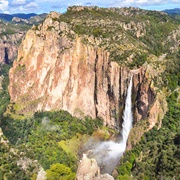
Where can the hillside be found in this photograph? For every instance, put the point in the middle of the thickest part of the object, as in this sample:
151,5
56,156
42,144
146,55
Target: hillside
31,18
175,13
12,32
68,88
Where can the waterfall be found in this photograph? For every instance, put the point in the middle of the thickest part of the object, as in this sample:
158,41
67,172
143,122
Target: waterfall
127,116
108,154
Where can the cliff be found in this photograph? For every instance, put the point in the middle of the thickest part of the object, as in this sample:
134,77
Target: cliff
81,62
9,48
57,69
11,34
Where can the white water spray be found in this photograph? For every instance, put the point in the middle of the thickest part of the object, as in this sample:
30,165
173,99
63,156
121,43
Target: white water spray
127,116
108,154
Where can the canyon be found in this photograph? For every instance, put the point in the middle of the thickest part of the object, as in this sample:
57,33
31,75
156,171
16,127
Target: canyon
54,72
75,67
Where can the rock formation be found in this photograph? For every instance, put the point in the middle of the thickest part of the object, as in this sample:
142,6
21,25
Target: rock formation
56,69
8,52
11,35
9,44
88,169
1,81
20,20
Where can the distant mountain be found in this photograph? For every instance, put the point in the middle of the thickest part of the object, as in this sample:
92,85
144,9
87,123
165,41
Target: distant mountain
31,18
175,13
24,16
6,17
172,11
37,19
9,17
12,29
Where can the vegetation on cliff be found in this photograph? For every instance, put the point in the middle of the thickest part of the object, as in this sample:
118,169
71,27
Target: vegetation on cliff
48,137
156,156
129,34
9,28
133,37
4,95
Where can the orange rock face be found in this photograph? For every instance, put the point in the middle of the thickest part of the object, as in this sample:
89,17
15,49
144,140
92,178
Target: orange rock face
80,79
54,71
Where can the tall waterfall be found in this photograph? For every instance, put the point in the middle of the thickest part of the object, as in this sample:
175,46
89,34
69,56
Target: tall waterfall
127,116
108,154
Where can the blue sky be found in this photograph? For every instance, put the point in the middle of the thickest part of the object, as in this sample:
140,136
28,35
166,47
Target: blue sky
41,6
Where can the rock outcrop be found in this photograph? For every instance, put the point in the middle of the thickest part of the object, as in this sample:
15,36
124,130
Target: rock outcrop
11,36
88,169
8,52
1,81
56,69
19,20
2,138
9,44
173,39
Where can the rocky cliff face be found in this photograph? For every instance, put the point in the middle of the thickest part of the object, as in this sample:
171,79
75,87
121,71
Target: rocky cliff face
8,52
56,69
88,169
11,37
11,34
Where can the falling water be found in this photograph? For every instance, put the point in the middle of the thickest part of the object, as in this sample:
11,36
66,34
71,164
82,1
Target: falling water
127,116
108,154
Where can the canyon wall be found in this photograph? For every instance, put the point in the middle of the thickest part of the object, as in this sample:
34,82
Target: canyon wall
56,69
9,47
8,52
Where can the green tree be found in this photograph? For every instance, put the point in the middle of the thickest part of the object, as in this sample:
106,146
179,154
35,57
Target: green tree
60,172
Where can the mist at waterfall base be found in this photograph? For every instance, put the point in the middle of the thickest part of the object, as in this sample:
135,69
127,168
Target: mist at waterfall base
108,154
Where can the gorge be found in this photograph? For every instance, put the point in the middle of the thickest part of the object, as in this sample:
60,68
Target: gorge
57,72
87,76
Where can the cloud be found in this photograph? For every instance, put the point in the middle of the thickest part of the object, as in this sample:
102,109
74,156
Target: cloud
40,6
4,5
44,1
176,1
88,4
24,5
18,2
31,7
121,3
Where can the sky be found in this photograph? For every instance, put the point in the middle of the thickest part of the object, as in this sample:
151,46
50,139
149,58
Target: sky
45,6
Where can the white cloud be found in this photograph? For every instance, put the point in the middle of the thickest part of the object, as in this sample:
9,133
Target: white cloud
32,5
29,7
18,2
146,2
38,1
40,6
4,5
176,1
121,3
